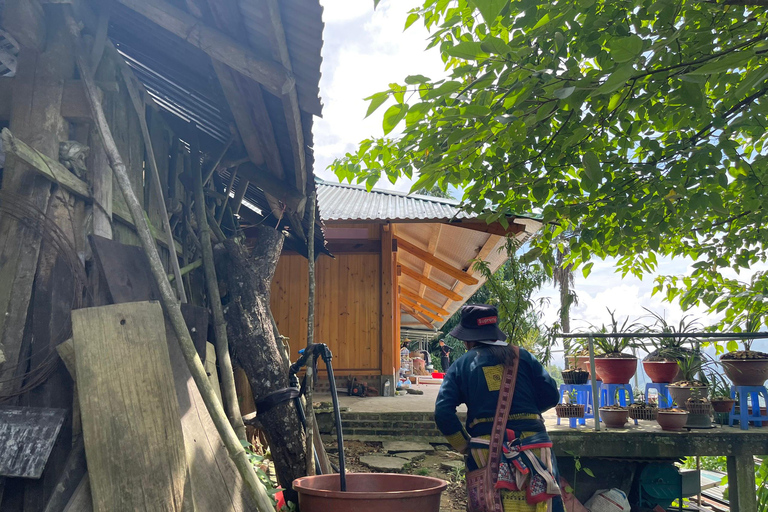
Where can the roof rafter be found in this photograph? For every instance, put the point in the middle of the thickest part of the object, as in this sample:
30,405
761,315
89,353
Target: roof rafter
408,302
456,273
415,297
430,283
423,321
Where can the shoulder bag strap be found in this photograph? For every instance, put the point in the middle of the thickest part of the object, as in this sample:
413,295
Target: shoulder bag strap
506,392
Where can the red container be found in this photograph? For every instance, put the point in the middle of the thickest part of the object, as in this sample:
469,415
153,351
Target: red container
370,492
615,370
661,371
438,375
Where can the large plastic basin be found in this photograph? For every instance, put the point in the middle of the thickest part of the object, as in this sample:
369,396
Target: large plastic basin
370,492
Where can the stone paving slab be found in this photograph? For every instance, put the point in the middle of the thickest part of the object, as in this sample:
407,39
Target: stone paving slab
383,463
411,455
452,465
406,446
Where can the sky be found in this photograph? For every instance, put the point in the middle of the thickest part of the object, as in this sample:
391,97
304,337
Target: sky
364,50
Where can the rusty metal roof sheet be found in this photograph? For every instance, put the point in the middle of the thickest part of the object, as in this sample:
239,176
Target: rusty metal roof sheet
342,202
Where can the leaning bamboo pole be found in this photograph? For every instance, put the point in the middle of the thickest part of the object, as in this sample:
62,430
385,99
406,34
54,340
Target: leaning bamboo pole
311,336
219,324
167,296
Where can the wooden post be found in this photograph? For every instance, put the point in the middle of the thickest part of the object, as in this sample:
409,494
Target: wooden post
595,391
310,413
212,283
170,303
388,301
741,483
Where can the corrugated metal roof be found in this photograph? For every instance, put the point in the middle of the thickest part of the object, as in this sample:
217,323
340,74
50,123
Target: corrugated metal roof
342,202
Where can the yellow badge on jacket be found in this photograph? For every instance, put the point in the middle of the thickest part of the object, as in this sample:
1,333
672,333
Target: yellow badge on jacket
493,376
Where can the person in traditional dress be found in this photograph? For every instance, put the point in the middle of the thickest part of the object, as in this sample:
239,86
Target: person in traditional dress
528,480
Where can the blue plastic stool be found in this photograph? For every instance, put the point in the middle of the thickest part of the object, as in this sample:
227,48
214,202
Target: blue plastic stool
665,398
748,394
583,397
608,395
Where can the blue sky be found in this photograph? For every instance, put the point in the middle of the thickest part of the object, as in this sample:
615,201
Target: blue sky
364,50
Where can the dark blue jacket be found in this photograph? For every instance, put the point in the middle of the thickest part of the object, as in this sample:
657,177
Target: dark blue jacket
474,379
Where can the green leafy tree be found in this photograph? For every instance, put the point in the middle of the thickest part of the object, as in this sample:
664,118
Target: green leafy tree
435,192
638,125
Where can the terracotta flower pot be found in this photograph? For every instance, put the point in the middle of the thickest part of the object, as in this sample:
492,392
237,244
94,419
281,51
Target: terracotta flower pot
614,418
681,394
723,404
616,370
673,420
661,371
746,372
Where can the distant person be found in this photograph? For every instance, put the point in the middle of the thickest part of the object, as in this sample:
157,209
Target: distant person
491,372
445,356
405,352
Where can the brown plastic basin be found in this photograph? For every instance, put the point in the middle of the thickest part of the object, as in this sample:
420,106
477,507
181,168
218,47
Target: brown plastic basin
370,492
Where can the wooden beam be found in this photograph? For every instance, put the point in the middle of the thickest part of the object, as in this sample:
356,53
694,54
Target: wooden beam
423,321
408,302
389,359
290,98
437,230
482,254
25,21
436,262
430,283
239,196
415,297
217,45
494,228
43,165
260,177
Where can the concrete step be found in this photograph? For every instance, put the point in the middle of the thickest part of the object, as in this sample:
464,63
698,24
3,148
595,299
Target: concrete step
389,424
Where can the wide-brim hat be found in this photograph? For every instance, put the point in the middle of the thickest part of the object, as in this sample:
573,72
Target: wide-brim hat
480,323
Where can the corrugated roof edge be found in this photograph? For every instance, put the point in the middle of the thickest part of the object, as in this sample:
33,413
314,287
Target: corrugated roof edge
438,200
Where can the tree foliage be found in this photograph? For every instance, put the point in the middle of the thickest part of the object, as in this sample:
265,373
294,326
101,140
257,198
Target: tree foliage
638,125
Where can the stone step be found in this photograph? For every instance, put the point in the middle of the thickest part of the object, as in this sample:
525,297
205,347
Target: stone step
393,424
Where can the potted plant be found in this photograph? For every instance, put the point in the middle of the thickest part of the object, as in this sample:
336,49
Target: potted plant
746,367
673,419
690,384
643,411
614,416
575,376
569,408
720,393
613,365
661,364
700,410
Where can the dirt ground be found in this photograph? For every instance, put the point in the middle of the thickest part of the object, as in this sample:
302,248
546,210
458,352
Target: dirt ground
454,499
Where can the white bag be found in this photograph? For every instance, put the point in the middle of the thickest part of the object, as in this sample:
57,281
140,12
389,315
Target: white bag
608,500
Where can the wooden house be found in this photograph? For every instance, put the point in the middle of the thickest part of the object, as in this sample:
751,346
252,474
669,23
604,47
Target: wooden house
399,262
220,91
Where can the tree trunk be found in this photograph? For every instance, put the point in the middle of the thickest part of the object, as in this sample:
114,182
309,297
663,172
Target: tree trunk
247,280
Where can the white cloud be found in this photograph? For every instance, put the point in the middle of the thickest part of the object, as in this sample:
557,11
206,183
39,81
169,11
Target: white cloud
364,51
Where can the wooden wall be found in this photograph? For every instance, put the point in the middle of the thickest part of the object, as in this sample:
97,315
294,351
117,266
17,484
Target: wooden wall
348,308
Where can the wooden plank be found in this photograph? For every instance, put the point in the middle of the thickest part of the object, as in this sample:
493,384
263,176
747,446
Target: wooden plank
424,311
72,475
27,435
439,264
25,21
81,500
262,178
494,228
43,165
357,246
125,269
434,240
485,251
407,271
216,483
423,321
217,45
388,358
138,411
405,292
